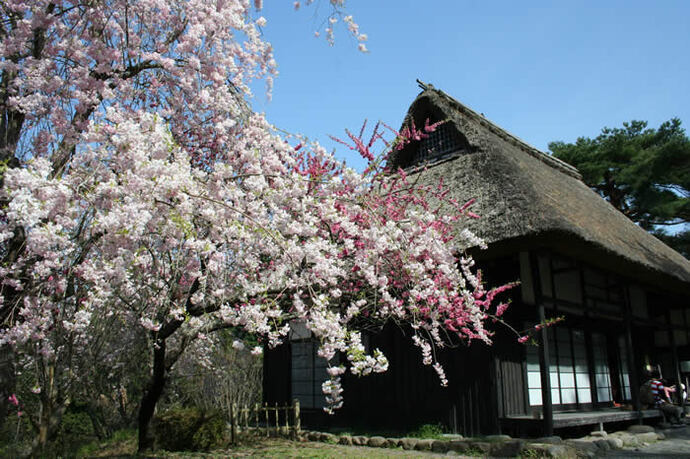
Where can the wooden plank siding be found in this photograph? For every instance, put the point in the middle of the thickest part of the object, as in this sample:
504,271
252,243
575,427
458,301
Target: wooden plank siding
512,375
277,386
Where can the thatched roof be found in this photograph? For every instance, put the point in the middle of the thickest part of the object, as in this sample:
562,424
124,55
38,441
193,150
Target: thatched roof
528,198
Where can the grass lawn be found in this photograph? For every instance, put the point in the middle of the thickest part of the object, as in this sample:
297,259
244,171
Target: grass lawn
258,448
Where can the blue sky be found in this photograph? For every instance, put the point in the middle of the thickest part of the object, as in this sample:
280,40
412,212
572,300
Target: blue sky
543,71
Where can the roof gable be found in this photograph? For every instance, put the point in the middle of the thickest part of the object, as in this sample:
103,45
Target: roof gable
475,130
523,193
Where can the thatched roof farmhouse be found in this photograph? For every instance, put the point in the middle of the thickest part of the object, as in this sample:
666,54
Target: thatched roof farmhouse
623,295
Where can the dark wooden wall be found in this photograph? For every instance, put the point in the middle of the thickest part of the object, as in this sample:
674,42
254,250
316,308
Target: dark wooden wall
484,382
409,394
276,378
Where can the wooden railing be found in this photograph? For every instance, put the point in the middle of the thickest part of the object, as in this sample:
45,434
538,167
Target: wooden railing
268,420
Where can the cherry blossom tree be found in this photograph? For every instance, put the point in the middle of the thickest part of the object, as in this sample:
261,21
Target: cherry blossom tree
133,230
146,195
63,62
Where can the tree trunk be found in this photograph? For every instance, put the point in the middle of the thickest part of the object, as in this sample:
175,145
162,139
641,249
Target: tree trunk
7,380
49,424
153,392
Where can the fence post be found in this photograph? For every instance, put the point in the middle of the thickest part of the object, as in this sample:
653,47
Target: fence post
295,409
286,408
267,423
277,426
256,416
246,418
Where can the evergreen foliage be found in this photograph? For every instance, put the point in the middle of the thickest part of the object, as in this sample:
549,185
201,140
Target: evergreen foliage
643,172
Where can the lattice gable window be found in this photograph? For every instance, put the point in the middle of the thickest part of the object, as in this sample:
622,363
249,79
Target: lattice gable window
443,141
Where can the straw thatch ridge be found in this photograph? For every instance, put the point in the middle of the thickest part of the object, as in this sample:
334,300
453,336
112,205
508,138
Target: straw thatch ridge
524,194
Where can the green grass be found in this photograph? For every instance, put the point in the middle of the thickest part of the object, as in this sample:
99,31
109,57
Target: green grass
122,443
125,446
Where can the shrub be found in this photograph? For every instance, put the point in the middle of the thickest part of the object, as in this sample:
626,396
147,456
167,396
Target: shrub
428,431
189,429
76,429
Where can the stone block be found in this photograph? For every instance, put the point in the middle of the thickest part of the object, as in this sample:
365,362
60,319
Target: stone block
328,438
483,447
615,442
497,437
440,446
507,448
599,434
376,442
637,429
552,440
647,437
557,451
424,444
408,443
630,441
545,450
583,446
345,440
449,437
392,442
602,444
660,436
459,446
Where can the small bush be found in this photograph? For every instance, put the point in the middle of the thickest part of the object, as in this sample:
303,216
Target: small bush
189,429
428,431
76,429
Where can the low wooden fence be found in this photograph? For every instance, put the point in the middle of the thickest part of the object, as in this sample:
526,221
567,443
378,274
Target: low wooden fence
267,420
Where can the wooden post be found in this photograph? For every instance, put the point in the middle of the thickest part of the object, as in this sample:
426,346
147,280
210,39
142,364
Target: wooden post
589,349
256,416
267,423
277,425
544,363
286,408
632,364
297,423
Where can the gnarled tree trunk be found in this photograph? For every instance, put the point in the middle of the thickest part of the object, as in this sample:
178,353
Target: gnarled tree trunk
153,392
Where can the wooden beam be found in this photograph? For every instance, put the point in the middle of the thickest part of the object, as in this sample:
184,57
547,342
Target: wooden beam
544,360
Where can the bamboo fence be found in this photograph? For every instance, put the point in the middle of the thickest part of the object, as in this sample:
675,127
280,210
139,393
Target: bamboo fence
268,420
